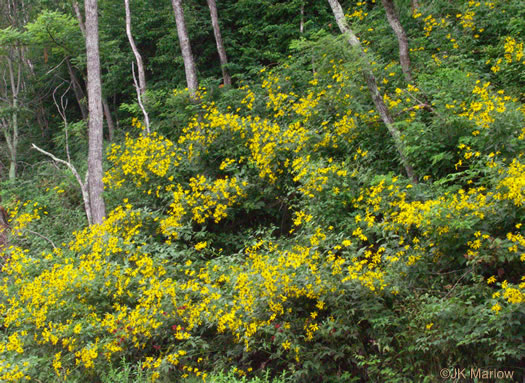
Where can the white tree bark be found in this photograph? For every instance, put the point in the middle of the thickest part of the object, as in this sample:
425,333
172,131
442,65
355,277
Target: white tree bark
107,111
13,148
185,47
94,86
395,24
10,127
139,99
138,57
301,25
80,19
218,40
371,82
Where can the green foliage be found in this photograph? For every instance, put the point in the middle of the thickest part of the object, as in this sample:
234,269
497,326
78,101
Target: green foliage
58,31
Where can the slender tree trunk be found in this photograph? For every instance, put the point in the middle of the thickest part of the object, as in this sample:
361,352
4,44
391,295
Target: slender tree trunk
218,39
402,40
414,4
14,145
4,227
301,25
12,139
138,57
77,89
94,86
141,84
42,121
82,27
80,19
40,112
185,47
109,119
14,13
371,82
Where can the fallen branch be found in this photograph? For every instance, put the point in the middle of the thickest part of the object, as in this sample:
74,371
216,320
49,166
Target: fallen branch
42,236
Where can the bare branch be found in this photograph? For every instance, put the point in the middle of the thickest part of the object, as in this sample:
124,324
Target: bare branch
42,236
139,98
83,185
138,57
62,111
56,67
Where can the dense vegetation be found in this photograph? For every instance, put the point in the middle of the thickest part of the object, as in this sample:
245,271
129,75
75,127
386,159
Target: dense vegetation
268,230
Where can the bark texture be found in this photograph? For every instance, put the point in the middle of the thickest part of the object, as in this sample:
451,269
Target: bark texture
10,90
371,82
138,57
109,119
399,31
4,227
185,47
94,86
107,112
80,19
218,39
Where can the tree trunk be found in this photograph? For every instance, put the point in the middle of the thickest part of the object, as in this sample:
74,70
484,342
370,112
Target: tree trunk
414,5
218,39
12,139
80,19
138,57
301,25
4,227
185,47
14,144
82,27
109,119
372,86
402,40
42,121
77,89
94,87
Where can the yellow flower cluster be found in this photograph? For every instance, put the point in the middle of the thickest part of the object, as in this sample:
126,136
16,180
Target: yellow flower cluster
431,220
268,281
359,12
483,111
431,23
140,158
203,200
13,372
513,50
513,184
19,220
467,20
315,178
